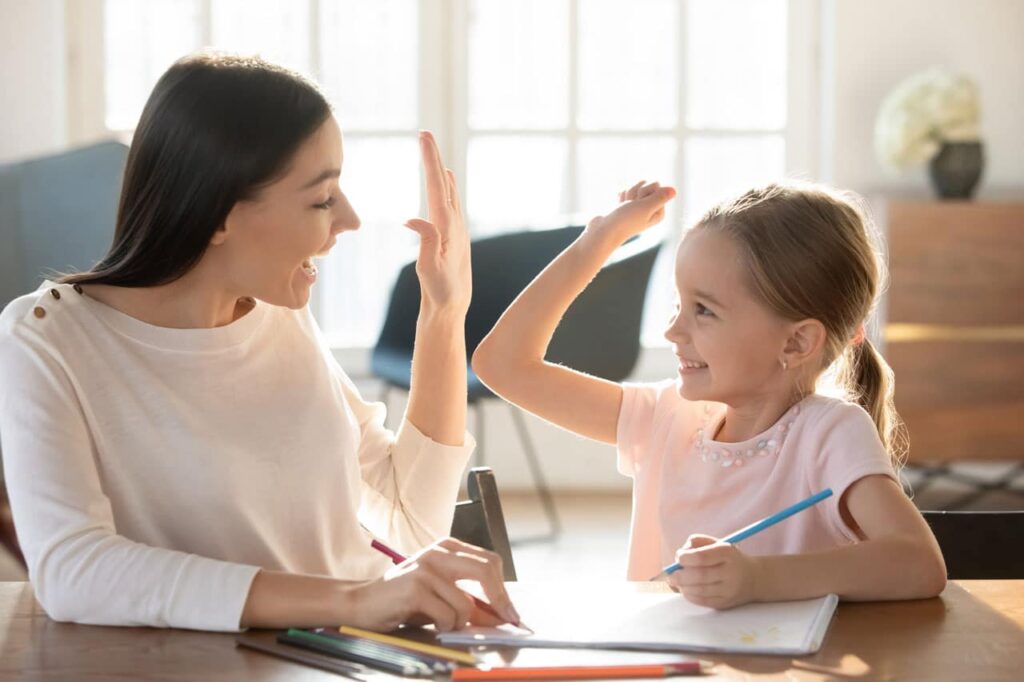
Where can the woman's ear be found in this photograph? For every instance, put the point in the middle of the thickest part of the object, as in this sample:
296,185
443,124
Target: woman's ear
805,342
220,235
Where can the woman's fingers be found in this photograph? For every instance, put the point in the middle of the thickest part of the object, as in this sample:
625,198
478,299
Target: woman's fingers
459,561
449,607
494,561
430,237
433,170
453,191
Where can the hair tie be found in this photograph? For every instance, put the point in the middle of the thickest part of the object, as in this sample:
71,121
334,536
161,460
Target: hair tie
858,336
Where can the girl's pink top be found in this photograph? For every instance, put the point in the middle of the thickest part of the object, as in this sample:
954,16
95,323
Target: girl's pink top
685,483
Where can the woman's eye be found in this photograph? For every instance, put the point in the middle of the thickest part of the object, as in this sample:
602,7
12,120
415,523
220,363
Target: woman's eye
702,310
324,205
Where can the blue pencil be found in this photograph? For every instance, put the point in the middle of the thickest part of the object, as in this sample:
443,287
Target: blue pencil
753,528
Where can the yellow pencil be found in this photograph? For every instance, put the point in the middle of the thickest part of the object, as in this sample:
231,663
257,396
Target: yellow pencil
433,650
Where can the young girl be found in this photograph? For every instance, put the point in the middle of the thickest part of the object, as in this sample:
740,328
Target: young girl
773,288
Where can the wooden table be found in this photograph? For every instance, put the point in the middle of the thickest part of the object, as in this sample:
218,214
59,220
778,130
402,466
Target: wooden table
974,631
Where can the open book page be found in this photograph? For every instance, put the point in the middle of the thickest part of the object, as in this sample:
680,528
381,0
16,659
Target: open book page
594,616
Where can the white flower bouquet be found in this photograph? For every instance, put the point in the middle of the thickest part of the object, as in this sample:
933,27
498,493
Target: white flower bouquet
922,113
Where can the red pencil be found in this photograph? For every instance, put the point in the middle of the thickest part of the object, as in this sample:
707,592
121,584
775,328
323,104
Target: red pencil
580,672
480,603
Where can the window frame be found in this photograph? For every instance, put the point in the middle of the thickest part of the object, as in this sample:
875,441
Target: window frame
443,103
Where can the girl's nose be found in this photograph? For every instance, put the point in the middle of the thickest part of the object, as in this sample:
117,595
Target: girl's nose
675,333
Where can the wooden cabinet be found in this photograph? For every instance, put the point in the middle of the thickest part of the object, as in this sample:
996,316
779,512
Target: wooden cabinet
954,331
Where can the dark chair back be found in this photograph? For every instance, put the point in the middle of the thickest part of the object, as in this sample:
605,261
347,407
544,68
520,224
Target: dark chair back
980,545
600,333
480,521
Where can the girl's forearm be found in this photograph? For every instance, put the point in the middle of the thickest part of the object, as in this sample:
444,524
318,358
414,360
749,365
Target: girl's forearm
280,600
524,331
881,569
437,396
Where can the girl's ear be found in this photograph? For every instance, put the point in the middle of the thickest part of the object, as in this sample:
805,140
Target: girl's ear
805,342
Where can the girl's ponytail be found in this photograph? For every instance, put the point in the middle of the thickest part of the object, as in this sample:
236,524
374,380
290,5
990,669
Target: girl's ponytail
869,381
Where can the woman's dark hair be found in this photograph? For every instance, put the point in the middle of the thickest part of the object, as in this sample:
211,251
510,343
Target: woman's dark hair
215,129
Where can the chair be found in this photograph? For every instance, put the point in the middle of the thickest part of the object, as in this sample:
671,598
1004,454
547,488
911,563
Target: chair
608,311
57,213
980,545
480,521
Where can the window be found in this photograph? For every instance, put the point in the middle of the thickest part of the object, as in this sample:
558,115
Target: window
545,108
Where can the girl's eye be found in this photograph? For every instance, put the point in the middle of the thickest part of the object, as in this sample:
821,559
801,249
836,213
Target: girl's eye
324,205
702,310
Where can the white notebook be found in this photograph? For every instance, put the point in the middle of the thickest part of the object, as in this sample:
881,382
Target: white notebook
581,615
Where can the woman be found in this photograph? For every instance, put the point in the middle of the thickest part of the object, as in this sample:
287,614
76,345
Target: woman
181,448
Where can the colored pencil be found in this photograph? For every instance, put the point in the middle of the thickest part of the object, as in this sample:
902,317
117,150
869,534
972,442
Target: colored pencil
480,603
759,526
402,642
360,651
580,672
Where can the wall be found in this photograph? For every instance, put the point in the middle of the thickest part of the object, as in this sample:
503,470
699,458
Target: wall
33,54
878,43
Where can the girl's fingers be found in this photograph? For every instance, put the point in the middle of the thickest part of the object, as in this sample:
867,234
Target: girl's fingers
648,190
703,591
697,575
630,193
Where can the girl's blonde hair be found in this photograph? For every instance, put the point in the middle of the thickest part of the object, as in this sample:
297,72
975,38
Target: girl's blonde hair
810,255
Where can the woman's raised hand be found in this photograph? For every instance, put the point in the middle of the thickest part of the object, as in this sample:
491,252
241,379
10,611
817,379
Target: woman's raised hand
443,264
422,590
641,206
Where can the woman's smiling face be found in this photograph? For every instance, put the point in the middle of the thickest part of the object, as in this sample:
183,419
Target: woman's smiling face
728,342
268,243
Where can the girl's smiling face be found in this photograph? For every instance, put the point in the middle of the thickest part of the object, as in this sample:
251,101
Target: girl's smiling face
729,343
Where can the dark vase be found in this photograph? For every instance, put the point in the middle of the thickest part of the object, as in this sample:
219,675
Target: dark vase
956,169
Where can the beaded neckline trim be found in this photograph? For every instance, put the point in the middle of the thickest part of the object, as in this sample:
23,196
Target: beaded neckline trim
737,455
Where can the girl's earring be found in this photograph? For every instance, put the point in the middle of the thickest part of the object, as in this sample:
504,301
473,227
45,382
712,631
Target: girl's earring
785,364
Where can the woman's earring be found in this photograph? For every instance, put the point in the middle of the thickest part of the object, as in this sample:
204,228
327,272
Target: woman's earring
785,364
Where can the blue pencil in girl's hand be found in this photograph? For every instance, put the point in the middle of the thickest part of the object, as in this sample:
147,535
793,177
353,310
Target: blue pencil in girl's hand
759,526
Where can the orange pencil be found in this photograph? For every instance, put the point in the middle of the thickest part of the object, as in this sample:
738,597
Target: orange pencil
580,672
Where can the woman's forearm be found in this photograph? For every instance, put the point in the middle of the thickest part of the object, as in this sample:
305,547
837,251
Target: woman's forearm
280,600
886,568
437,396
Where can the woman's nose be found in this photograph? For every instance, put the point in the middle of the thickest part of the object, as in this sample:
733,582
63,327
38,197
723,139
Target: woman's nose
347,218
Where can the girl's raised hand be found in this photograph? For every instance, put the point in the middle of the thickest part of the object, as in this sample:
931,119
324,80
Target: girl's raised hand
715,574
642,206
443,264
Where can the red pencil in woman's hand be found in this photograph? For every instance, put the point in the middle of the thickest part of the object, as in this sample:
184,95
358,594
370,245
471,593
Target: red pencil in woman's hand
480,603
